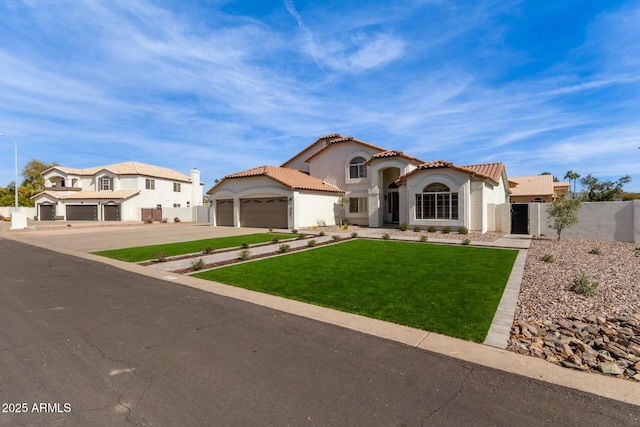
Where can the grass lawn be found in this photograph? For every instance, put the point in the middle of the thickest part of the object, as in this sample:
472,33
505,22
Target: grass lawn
144,253
452,290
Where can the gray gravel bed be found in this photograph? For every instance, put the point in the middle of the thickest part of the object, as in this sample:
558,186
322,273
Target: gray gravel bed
545,292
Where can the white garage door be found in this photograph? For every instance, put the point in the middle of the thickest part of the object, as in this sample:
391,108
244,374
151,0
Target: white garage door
266,212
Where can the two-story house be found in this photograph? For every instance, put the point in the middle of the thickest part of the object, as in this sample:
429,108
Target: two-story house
117,192
339,178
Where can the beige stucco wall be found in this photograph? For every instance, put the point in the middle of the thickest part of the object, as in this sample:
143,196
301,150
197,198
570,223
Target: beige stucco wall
609,221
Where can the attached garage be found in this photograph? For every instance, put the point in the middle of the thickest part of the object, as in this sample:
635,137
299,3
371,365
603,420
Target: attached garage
82,212
47,212
266,212
224,213
112,212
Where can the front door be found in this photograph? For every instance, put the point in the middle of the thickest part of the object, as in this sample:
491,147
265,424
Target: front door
519,218
393,202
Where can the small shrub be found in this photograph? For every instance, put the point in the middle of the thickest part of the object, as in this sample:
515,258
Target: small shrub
463,230
314,227
197,264
424,238
160,256
431,229
403,227
466,241
165,220
294,231
336,237
386,236
416,229
245,254
322,233
245,245
275,240
284,248
148,220
270,229
311,243
446,230
581,285
176,219
548,258
208,250
301,236
595,251
354,235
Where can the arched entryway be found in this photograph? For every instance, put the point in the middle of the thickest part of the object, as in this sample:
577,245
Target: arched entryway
391,196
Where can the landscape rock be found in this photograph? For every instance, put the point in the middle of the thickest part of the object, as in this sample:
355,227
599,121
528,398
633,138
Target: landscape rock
595,343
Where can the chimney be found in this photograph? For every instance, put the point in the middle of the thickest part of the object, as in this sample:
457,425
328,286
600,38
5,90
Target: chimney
196,188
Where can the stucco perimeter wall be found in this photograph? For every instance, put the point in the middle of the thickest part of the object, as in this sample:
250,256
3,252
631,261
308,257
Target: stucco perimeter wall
610,221
5,211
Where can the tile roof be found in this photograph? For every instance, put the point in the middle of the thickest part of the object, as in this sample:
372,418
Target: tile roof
127,168
537,185
93,195
491,171
394,153
336,138
292,178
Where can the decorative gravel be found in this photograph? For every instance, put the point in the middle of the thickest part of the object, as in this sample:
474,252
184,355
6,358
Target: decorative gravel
545,293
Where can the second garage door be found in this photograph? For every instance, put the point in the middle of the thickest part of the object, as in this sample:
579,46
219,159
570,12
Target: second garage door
267,212
82,213
224,213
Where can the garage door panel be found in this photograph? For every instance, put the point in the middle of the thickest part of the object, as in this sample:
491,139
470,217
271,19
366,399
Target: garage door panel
264,212
112,213
224,213
82,213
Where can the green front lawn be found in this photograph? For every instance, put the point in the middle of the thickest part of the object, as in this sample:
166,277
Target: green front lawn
452,290
145,253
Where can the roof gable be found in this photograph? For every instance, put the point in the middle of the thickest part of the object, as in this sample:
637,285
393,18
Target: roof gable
490,171
292,178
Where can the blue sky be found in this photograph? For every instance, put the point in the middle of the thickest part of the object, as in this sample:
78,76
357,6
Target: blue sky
228,85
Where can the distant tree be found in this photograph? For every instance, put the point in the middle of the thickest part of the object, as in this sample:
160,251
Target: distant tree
572,176
33,184
563,214
600,191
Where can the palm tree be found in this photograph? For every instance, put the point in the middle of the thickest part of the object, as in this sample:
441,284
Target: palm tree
572,176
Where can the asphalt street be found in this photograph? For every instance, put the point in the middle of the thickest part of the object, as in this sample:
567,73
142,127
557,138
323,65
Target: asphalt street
84,343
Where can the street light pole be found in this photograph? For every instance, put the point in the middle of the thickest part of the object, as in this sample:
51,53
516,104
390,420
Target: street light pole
15,150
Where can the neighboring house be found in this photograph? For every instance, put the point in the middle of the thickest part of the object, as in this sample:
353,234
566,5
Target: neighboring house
381,187
537,188
116,192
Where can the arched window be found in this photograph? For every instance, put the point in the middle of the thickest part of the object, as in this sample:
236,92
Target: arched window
357,168
436,202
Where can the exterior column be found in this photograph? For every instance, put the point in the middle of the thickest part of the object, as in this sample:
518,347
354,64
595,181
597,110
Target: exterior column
236,212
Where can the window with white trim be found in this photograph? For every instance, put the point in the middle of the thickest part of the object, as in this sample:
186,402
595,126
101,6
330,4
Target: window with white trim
106,184
357,168
358,204
176,187
436,202
150,184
